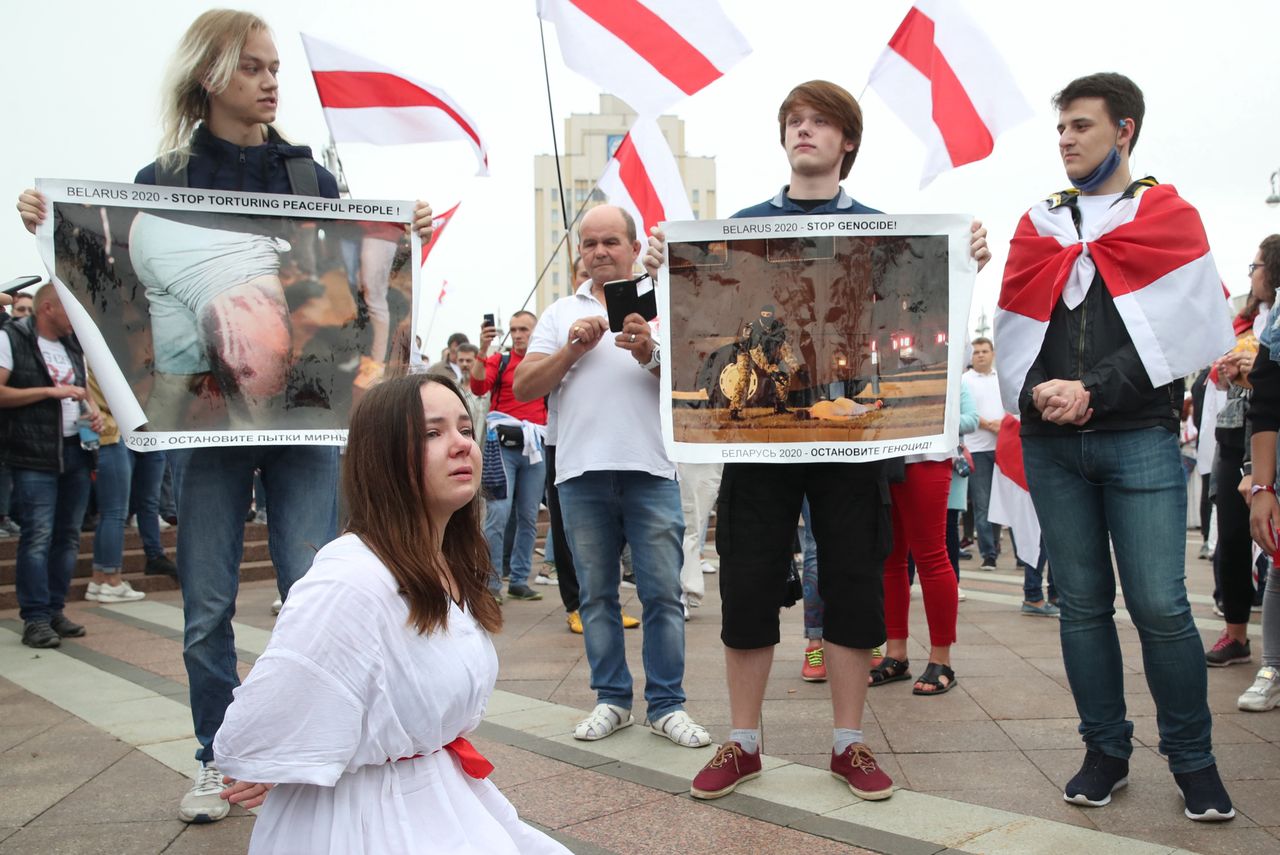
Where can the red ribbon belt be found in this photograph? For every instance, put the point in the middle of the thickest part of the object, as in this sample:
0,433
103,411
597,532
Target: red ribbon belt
471,760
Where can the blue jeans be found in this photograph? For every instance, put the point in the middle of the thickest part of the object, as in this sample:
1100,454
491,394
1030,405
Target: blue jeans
984,465
525,483
1033,578
115,477
1125,487
214,486
813,610
148,475
50,508
602,510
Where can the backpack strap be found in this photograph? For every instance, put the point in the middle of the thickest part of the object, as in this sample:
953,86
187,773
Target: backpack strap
497,381
302,176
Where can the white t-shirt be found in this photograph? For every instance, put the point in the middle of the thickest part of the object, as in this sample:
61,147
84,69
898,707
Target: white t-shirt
607,405
985,389
1094,208
58,362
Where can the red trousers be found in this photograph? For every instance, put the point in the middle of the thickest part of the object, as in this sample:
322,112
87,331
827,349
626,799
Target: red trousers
920,528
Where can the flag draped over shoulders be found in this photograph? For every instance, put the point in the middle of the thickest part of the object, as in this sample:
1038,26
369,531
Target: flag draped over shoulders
1153,256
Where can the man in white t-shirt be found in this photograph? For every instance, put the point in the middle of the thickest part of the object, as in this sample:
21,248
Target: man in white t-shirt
984,387
615,482
42,387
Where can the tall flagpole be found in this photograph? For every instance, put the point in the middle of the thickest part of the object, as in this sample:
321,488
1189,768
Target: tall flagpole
555,145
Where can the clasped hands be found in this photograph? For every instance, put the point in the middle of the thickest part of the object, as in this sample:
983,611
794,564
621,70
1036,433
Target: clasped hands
1062,402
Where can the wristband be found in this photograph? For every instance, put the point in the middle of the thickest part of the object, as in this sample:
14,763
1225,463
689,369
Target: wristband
1261,488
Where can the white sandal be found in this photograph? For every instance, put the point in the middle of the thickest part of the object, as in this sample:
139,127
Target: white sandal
682,730
604,720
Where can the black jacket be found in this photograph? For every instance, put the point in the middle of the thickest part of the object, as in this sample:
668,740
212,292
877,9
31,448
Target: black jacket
31,436
1090,343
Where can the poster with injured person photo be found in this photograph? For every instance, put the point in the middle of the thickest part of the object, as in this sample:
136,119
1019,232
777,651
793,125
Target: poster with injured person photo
813,338
221,318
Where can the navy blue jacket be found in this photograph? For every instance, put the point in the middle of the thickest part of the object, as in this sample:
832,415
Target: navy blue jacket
220,165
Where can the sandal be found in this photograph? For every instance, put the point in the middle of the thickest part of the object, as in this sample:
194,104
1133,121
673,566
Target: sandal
890,670
932,675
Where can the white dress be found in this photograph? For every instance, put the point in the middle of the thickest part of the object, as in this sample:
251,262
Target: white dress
345,684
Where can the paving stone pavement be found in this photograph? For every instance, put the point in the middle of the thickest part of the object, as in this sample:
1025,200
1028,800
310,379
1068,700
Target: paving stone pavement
96,745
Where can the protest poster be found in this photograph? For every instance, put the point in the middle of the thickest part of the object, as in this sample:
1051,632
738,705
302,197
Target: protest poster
215,318
813,338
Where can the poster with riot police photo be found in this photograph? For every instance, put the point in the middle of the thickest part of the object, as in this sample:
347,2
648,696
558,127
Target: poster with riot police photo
222,318
813,338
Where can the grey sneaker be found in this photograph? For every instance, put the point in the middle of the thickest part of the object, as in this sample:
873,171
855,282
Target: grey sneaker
522,592
38,633
204,802
65,626
1040,609
1227,651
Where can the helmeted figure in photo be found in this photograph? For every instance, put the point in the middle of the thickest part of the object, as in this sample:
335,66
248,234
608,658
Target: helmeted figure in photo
1110,298
764,345
217,306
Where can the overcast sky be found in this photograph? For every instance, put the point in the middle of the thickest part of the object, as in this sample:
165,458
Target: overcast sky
81,94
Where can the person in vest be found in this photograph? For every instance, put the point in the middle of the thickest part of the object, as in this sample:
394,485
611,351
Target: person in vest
42,396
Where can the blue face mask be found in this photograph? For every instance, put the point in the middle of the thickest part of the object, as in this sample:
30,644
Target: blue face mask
1100,174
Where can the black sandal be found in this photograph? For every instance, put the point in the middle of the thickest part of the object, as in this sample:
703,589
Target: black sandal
890,670
932,677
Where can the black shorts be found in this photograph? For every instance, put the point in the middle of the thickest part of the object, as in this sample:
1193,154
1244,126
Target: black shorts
756,521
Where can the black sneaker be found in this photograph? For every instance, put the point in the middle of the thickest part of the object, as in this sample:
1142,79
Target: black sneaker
65,626
629,580
1227,651
38,633
1205,798
1099,777
160,565
522,592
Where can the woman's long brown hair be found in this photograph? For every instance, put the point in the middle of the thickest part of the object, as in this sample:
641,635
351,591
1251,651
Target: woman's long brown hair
383,482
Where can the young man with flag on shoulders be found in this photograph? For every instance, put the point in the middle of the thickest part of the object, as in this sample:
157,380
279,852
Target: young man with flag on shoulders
820,126
1110,297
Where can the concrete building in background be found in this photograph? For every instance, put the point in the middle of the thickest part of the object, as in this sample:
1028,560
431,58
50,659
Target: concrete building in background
589,141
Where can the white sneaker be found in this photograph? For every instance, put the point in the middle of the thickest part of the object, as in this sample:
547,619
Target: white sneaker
92,592
544,579
604,720
163,523
121,592
960,594
277,606
708,567
1264,694
682,730
203,802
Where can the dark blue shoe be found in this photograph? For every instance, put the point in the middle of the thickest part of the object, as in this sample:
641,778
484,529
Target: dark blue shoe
1099,777
1205,798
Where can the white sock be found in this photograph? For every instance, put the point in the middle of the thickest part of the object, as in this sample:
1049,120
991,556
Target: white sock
748,739
843,737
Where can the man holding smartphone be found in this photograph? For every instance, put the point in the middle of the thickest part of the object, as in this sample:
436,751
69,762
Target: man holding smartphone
520,428
615,482
820,127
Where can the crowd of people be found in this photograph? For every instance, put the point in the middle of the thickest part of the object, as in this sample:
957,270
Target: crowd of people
351,728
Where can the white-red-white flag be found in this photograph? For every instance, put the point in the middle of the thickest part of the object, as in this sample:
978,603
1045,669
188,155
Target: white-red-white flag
643,177
364,101
650,53
1153,255
1010,498
438,223
944,79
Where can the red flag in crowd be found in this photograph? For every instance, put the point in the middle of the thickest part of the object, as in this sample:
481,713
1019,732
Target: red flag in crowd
444,286
438,222
944,79
642,177
1153,254
365,101
1010,498
650,53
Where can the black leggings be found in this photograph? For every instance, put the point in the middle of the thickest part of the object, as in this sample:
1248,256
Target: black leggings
1235,544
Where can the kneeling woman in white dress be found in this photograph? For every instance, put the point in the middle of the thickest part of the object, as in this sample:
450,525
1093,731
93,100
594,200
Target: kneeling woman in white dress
350,728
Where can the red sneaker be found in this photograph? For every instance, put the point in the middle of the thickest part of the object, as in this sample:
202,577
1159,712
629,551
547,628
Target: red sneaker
814,669
722,775
858,768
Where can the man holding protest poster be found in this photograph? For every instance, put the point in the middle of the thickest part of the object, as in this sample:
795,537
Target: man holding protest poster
1110,297
223,96
820,126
